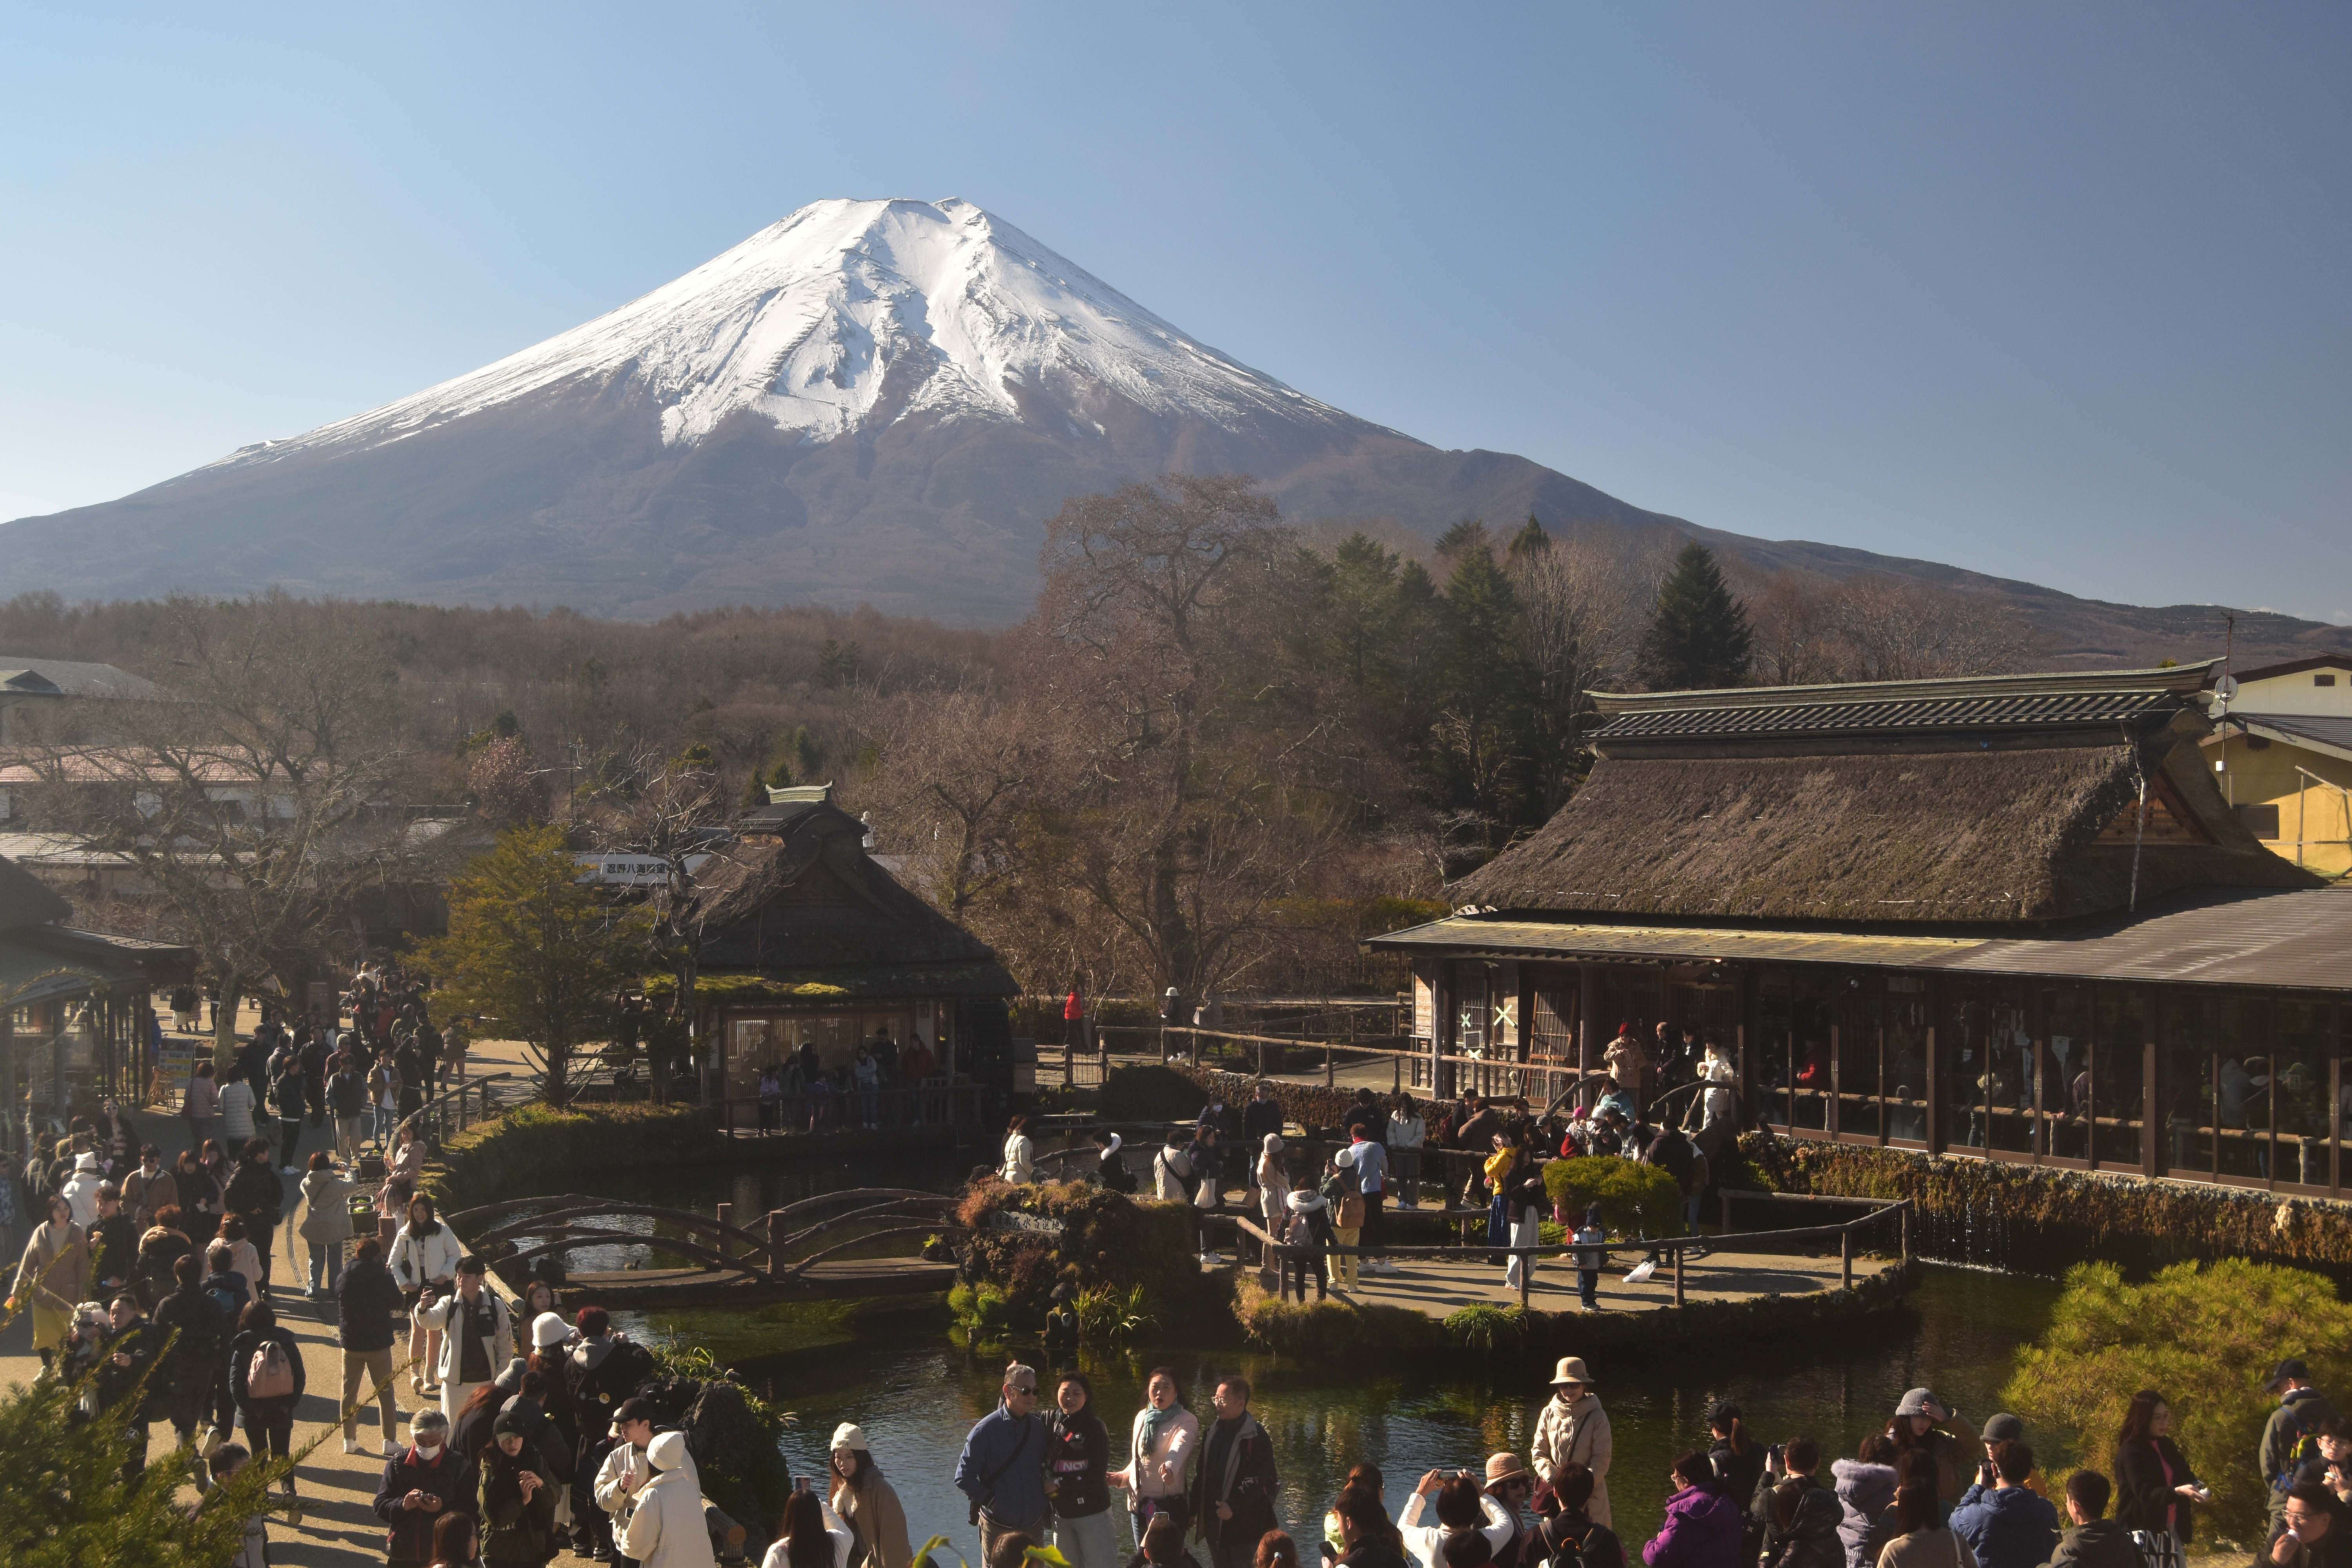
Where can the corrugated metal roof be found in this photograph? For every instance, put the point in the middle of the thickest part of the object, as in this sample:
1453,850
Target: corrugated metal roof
2020,710
2299,940
2317,730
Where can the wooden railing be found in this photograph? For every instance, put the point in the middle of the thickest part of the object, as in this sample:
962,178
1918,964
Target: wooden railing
932,1104
468,1100
1287,1258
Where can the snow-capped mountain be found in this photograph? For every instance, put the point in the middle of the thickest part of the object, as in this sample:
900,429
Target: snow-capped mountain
852,315
873,401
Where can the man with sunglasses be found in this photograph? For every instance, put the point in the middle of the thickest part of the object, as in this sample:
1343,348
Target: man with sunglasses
1002,1467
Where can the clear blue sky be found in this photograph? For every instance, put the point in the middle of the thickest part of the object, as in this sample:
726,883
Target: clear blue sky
2060,293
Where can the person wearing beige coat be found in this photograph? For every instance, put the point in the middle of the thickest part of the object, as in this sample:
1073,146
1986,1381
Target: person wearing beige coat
867,1502
55,1275
1574,1430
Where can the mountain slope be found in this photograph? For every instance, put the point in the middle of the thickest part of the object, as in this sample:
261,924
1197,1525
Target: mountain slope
867,402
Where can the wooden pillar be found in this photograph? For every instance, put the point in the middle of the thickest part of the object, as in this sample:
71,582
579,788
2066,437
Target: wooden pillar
1845,1258
2150,1130
725,1247
1935,1089
1678,1275
1907,1234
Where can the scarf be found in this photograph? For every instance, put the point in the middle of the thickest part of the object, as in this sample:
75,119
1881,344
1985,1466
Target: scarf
1154,1420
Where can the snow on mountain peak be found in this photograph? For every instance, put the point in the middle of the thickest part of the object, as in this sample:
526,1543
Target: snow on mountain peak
851,314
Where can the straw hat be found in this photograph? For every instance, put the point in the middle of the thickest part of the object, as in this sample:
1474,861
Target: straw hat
1571,1370
1501,1468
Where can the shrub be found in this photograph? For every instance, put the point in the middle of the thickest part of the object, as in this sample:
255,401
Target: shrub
1635,1199
1487,1329
2204,1335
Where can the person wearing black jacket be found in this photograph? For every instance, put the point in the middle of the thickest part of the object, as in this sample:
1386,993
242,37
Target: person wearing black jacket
1077,1457
128,1356
1739,1461
2155,1488
113,1244
1234,1488
288,1095
1573,1529
368,1303
1365,1532
424,1481
257,1195
1796,1516
195,1335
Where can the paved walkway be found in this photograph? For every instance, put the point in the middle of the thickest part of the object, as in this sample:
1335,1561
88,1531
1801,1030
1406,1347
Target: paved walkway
338,1490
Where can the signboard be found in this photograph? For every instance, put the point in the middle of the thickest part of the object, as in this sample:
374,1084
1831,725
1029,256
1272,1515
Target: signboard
614,870
176,1061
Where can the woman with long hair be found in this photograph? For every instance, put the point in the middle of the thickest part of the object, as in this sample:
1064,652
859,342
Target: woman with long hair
1275,1549
812,1536
1273,1184
456,1544
1020,1153
425,1253
54,1274
268,1415
1739,1461
2155,1487
866,1503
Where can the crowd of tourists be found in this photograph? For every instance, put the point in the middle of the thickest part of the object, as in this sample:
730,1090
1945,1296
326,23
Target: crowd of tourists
1480,1151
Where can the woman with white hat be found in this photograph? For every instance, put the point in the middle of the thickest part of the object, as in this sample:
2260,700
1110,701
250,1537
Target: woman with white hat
1346,1215
665,1526
866,1503
1574,1430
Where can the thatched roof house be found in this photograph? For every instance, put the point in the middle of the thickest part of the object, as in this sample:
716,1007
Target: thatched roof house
805,937
2010,916
2004,798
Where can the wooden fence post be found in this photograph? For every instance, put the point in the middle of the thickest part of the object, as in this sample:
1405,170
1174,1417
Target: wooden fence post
1526,1273
1906,1232
1678,1276
725,1244
1330,1080
1845,1258
775,1252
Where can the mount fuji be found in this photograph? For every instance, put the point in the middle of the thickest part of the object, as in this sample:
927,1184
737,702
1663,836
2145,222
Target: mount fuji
868,401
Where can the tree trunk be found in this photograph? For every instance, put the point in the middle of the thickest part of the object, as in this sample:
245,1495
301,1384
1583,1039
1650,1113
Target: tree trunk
232,993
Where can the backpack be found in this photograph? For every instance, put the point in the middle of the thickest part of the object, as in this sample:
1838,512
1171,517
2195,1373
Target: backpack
268,1376
224,1302
1570,1552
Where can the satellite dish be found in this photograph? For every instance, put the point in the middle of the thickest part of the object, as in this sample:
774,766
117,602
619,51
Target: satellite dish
2226,686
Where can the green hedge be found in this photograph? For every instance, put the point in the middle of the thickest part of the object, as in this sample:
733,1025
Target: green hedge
2205,1336
1635,1199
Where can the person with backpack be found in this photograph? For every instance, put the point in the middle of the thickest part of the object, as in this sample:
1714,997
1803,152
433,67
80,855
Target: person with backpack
1571,1538
2289,1437
265,1380
1798,1516
476,1333
1590,1257
1311,1229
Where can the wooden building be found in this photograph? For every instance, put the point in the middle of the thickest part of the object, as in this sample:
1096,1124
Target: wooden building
806,938
2010,917
2282,754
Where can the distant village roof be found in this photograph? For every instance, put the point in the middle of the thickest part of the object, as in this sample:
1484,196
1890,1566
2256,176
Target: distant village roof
1996,799
65,678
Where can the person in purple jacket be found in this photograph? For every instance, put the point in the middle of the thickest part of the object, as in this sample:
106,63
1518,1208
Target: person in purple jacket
1702,1528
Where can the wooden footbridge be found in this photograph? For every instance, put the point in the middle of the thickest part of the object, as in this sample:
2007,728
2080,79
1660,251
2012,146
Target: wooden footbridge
804,1256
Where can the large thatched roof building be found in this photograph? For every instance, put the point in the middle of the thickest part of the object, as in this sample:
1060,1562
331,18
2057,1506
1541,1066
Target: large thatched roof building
2010,915
806,938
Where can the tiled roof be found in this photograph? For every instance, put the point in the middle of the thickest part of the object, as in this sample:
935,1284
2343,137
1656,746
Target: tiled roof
2017,711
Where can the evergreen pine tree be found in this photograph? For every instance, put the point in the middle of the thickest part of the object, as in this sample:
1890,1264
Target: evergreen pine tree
755,788
1698,636
1530,539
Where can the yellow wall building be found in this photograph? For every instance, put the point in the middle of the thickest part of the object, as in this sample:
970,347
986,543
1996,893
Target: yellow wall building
2282,758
